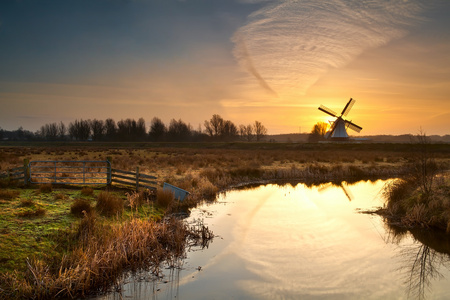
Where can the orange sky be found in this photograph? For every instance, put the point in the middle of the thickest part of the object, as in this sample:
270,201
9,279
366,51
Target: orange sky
271,61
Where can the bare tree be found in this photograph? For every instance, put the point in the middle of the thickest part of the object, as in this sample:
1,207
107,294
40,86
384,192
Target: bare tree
179,131
318,132
158,130
110,129
62,130
98,129
424,165
214,126
259,130
80,130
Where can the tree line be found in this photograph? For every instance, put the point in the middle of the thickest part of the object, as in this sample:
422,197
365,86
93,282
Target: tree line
215,129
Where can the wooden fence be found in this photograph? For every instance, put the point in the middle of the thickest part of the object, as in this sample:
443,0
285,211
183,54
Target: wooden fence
78,173
15,174
135,179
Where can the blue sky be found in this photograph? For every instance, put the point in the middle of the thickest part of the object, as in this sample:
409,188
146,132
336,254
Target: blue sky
272,61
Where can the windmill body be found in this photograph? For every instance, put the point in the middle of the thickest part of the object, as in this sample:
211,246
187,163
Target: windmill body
338,129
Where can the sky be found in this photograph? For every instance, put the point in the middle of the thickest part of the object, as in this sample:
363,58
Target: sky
268,60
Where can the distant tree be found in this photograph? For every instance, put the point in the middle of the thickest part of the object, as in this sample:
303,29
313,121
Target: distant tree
158,130
110,129
179,131
220,129
214,126
259,130
141,130
125,129
49,131
80,130
98,129
229,131
62,130
246,132
318,132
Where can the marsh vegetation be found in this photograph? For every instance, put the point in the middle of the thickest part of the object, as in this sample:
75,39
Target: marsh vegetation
62,230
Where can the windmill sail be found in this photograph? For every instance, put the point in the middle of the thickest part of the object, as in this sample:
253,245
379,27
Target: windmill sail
347,108
353,126
328,111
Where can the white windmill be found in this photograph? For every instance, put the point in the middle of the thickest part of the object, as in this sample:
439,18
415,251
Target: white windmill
338,129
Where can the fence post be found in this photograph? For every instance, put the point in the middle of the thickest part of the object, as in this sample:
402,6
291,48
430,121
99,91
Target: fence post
137,179
26,171
109,172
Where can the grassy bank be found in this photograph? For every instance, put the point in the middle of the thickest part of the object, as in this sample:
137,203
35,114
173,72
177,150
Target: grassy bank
421,197
70,243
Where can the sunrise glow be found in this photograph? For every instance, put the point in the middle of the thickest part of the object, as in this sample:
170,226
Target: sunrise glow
272,61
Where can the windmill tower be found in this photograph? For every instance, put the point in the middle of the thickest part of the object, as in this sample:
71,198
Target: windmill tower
338,129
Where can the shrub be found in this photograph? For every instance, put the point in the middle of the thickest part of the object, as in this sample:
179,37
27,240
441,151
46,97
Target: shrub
30,209
45,188
32,213
26,203
80,205
59,196
109,204
87,191
8,194
164,198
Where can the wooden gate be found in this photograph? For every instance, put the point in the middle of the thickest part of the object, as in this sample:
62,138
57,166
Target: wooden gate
70,172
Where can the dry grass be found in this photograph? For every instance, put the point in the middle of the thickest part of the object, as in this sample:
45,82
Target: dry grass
109,204
103,255
164,198
30,209
46,188
9,194
408,206
87,191
81,206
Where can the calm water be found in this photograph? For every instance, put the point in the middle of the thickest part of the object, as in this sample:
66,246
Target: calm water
299,242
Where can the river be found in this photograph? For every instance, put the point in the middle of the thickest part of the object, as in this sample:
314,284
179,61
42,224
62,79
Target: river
294,241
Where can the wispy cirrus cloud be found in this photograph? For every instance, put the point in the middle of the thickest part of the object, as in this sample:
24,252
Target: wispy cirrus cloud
290,44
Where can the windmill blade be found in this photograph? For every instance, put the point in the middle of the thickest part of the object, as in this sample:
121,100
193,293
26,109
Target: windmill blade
347,108
332,128
328,111
353,126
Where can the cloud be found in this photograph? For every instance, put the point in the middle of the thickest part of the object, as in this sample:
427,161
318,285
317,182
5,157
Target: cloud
244,57
292,43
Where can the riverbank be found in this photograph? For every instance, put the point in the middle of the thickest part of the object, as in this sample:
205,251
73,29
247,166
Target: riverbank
408,206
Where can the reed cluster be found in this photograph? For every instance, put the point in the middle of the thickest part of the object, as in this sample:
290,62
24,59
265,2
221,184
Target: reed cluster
100,257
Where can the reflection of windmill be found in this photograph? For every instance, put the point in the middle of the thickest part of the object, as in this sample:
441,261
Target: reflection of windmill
343,187
339,127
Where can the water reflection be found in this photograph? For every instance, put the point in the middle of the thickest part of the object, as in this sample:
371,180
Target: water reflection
294,241
424,261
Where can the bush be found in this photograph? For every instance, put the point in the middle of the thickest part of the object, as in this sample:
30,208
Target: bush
45,188
109,204
8,194
80,205
164,198
87,191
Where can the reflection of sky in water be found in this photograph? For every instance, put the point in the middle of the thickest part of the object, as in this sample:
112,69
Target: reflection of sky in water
294,242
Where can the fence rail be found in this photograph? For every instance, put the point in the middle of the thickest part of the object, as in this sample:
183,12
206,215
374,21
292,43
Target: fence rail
135,179
15,174
83,172
69,172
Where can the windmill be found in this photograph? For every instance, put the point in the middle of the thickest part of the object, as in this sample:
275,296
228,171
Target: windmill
338,129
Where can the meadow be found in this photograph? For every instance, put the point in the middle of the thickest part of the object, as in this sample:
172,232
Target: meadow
52,235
